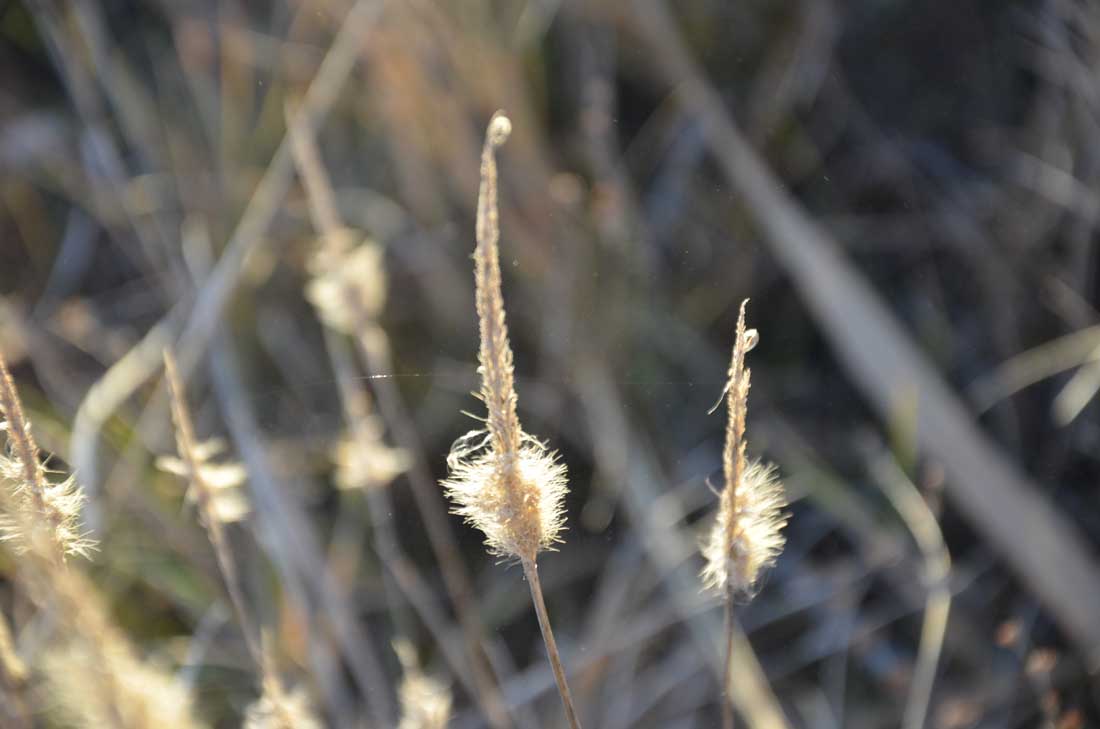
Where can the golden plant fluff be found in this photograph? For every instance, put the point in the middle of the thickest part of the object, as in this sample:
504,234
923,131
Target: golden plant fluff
504,482
747,535
38,514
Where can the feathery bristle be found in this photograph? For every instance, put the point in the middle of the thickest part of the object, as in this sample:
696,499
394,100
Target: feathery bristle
505,482
39,514
747,534
755,520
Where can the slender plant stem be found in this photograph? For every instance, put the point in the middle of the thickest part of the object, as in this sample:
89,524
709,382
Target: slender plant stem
727,672
531,570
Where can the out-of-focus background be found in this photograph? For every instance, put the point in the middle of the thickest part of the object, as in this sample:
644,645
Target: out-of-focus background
907,192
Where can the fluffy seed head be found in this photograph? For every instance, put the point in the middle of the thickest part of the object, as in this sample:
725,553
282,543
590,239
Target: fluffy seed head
755,522
348,287
95,675
215,487
278,708
503,481
38,514
747,535
117,692
514,498
425,702
364,461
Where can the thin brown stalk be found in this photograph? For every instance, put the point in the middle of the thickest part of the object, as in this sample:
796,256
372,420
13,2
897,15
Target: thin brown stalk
727,666
22,443
504,481
531,571
186,444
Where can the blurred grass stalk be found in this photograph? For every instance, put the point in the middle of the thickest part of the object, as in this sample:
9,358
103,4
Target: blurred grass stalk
352,311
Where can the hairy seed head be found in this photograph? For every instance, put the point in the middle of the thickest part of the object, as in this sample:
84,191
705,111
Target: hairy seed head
504,482
96,676
747,535
38,514
425,702
279,708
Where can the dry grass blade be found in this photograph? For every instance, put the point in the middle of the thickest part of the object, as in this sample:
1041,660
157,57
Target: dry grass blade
277,708
504,481
922,524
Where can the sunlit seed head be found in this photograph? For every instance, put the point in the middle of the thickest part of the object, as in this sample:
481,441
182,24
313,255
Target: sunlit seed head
755,519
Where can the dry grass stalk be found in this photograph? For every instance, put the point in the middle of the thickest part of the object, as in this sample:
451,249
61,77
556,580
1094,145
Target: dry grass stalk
196,470
95,675
363,460
425,702
277,708
504,481
223,482
747,535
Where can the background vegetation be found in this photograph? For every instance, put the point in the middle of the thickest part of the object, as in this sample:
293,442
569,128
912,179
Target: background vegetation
907,192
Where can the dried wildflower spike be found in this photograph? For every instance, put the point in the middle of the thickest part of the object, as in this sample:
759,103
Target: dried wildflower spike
40,515
504,481
746,537
215,487
201,476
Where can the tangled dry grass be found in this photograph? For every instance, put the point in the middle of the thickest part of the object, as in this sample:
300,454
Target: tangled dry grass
237,324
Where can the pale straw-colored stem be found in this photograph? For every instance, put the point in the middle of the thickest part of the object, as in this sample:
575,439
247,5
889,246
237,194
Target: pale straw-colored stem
727,671
19,435
186,444
531,570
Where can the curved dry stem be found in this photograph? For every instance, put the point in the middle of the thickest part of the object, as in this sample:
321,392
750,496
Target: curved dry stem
531,571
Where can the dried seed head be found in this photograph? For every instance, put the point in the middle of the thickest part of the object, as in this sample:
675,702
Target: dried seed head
747,534
755,520
278,708
117,692
364,461
514,498
504,482
38,514
223,483
95,675
425,702
348,287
